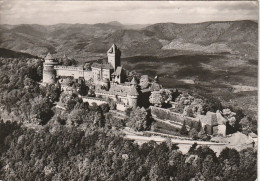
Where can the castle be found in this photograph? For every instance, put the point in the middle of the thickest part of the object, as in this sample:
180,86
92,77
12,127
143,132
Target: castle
109,82
109,79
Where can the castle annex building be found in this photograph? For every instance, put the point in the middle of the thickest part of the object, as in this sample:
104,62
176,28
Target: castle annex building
108,78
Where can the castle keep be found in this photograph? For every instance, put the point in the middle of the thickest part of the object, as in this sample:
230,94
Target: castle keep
108,78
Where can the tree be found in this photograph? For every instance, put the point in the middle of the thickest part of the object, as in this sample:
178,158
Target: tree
246,125
187,111
104,108
28,82
158,98
190,105
193,133
183,129
210,168
41,109
193,148
202,135
230,160
76,117
248,164
230,116
83,89
138,119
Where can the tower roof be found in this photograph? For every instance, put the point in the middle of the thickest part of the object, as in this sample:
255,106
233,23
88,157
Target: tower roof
118,71
113,49
133,81
49,57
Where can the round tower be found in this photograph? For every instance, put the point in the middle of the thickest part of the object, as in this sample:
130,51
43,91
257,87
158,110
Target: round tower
132,96
49,73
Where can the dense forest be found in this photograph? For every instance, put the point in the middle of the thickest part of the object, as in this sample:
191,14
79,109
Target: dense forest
84,142
57,152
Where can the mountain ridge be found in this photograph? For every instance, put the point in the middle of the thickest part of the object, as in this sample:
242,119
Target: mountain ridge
82,40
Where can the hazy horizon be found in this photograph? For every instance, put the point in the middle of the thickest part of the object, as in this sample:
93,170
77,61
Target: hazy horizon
126,12
121,23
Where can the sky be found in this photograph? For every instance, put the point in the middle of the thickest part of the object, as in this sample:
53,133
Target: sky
126,12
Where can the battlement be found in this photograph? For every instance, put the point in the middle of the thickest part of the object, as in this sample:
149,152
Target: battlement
59,67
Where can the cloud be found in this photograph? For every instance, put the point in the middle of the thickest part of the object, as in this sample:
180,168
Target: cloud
127,12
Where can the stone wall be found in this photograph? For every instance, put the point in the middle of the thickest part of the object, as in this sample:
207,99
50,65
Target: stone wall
212,127
91,100
166,114
75,72
100,74
121,107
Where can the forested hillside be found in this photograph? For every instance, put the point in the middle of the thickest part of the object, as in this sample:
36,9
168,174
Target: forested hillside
84,40
42,142
57,152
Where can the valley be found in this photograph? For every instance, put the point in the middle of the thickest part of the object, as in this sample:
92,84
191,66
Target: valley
231,79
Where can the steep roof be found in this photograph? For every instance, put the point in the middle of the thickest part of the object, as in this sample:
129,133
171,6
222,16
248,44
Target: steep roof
49,57
118,71
119,90
133,81
113,49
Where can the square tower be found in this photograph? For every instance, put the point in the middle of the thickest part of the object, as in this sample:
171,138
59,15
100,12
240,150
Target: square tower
113,55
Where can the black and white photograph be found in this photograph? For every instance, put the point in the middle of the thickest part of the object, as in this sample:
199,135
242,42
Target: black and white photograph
128,90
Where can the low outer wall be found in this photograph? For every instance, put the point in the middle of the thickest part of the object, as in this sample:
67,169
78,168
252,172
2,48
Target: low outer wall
91,100
166,114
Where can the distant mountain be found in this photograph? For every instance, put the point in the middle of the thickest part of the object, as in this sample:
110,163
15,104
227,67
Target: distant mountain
115,23
85,41
5,53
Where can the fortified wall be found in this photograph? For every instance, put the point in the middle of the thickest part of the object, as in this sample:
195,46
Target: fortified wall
91,100
75,72
213,123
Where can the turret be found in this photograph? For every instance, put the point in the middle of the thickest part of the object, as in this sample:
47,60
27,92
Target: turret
49,74
113,55
132,96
